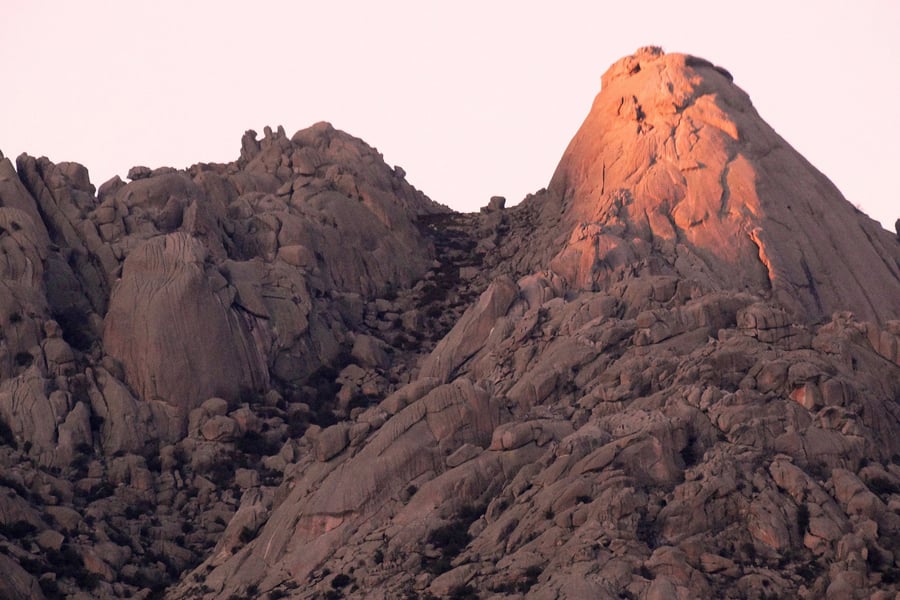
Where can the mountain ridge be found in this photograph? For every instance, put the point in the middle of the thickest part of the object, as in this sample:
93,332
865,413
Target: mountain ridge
672,373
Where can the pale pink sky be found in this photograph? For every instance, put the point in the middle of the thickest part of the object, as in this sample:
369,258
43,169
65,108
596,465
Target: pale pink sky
472,99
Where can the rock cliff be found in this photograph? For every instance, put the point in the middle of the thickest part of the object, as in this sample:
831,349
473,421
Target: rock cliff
673,373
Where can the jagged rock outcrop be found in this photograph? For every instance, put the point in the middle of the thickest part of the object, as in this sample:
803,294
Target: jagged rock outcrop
673,373
674,171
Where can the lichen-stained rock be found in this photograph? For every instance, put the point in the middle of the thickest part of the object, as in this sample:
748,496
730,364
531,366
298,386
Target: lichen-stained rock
176,339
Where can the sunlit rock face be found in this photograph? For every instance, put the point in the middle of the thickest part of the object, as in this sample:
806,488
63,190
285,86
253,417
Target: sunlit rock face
674,167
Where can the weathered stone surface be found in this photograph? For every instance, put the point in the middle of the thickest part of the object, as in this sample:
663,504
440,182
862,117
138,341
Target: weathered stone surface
50,540
471,332
220,429
331,441
672,153
173,335
17,583
671,374
370,352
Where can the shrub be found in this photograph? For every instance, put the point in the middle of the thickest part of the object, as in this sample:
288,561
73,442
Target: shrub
256,445
890,576
809,571
882,487
141,507
6,436
689,453
50,588
647,530
247,535
66,562
23,359
531,576
17,529
104,490
221,473
463,592
533,572
451,539
297,424
802,518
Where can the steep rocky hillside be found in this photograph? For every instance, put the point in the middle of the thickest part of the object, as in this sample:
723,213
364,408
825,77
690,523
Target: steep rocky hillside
673,373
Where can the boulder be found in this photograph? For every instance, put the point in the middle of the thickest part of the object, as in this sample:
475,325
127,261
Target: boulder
175,339
17,583
472,330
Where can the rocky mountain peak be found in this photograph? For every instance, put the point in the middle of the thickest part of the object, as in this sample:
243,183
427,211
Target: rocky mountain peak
671,374
674,170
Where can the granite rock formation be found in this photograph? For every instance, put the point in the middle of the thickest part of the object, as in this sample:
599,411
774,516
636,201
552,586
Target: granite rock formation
673,373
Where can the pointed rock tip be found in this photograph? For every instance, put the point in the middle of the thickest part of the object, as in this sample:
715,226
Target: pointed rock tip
647,55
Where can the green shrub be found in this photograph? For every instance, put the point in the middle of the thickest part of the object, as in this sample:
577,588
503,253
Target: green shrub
341,580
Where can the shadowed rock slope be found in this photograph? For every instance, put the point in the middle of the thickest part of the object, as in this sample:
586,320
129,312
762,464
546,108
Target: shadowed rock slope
673,373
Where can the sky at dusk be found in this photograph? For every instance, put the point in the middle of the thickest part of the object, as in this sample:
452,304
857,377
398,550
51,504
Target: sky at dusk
472,99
